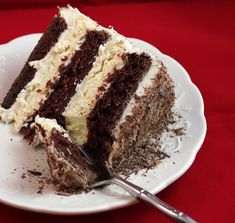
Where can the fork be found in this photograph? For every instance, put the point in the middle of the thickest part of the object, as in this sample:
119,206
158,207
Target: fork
106,177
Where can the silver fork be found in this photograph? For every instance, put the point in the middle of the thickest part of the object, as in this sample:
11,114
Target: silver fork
105,177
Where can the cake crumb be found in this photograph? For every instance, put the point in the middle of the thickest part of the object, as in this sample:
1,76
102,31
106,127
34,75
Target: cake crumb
34,176
34,172
179,131
40,189
62,193
23,176
66,191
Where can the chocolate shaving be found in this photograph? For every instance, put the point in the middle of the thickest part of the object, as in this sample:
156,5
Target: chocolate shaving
146,156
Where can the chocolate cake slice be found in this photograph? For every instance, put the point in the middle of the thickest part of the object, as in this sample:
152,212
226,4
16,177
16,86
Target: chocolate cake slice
86,86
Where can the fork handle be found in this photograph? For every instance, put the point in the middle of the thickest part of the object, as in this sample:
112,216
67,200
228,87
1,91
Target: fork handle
146,196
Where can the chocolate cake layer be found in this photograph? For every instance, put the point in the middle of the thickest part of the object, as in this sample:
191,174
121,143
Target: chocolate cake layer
109,108
47,41
80,65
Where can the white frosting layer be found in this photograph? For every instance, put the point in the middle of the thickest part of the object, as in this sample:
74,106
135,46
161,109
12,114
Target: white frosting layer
48,125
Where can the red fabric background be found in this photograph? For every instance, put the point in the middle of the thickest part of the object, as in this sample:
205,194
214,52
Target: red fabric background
201,36
42,3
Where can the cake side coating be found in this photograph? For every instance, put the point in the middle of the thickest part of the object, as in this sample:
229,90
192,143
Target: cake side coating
139,122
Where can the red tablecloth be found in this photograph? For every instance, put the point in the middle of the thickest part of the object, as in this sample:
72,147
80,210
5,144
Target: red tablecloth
201,36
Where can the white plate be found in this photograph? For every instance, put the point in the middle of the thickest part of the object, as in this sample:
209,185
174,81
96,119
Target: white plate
17,157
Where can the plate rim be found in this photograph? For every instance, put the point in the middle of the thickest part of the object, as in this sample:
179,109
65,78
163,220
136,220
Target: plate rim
131,201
